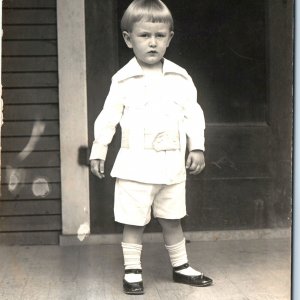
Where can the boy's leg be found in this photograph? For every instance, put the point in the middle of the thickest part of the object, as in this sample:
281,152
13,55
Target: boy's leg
132,249
133,234
172,231
175,244
132,207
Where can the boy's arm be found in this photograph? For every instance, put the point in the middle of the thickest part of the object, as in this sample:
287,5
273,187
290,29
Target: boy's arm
195,162
106,122
97,167
194,120
195,127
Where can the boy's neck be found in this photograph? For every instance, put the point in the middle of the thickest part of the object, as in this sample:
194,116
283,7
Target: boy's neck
155,69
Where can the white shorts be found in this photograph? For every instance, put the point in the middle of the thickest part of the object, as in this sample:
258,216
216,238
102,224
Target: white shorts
133,201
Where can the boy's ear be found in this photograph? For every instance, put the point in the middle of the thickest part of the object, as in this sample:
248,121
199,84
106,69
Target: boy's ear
127,40
170,38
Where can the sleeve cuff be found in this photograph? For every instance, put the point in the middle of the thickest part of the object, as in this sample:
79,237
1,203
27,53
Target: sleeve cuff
98,151
196,144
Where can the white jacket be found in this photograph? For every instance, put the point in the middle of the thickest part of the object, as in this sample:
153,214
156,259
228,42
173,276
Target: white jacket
159,118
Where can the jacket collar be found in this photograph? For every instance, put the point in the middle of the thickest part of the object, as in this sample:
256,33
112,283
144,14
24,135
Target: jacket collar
133,69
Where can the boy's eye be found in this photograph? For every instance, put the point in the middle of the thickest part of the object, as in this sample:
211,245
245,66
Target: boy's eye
144,35
161,35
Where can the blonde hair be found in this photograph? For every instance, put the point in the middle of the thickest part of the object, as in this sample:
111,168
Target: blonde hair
146,10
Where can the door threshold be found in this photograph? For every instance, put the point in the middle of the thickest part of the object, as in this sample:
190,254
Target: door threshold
191,236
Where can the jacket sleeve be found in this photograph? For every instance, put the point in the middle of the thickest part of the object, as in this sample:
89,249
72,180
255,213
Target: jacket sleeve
106,122
194,119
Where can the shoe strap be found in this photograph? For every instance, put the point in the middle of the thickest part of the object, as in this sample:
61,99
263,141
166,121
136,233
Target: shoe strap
184,266
133,271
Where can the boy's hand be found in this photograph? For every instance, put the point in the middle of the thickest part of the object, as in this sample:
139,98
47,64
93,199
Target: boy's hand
195,162
97,168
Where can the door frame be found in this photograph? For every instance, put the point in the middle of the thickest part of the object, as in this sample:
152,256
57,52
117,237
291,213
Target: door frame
73,119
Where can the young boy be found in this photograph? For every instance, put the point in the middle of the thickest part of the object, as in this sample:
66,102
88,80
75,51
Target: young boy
155,102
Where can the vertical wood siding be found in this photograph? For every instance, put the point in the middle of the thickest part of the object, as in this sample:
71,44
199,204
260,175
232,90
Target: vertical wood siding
30,205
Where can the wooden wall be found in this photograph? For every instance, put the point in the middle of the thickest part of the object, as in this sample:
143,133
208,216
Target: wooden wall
30,206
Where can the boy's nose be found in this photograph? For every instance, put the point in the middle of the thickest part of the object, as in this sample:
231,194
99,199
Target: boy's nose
153,42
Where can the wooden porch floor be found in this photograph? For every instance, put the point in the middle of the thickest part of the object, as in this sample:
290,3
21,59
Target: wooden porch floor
242,270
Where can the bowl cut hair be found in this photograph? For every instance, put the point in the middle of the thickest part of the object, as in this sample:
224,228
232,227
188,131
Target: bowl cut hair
154,11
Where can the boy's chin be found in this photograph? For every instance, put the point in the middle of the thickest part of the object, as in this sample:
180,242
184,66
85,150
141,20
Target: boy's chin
150,62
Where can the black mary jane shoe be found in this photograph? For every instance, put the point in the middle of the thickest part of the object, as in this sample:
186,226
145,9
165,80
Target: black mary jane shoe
133,288
198,280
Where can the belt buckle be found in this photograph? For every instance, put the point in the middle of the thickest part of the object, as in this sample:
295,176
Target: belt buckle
166,141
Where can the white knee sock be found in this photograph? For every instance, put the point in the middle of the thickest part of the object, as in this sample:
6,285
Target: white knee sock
132,260
177,254
178,257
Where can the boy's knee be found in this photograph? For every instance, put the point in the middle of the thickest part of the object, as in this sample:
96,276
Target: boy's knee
169,223
133,234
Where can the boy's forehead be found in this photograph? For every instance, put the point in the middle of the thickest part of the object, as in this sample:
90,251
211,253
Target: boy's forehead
147,25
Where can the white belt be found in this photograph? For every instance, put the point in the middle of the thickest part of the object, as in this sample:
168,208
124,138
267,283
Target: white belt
162,141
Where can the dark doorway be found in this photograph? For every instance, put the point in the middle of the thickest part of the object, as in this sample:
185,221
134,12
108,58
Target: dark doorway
223,45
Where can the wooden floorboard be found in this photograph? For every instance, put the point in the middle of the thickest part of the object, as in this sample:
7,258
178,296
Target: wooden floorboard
29,238
241,270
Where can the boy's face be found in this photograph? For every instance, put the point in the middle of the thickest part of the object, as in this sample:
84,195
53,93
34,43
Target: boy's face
149,41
